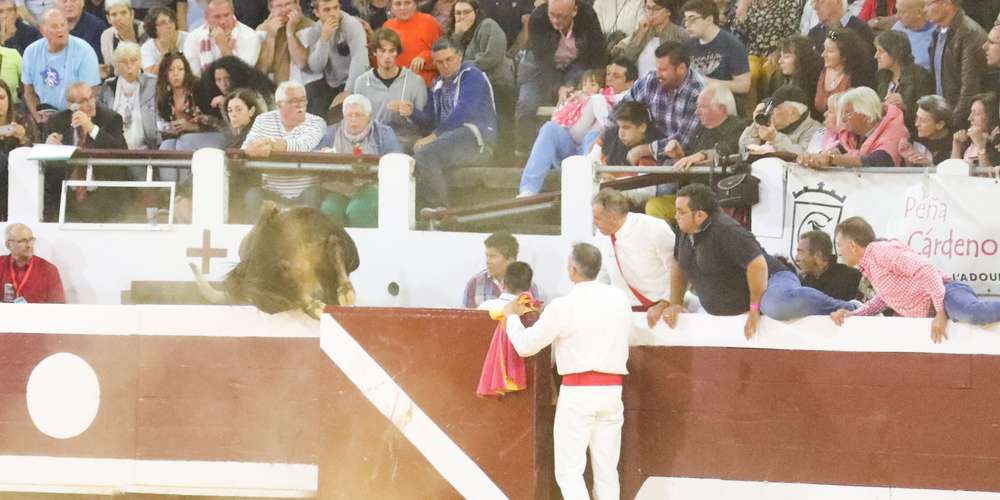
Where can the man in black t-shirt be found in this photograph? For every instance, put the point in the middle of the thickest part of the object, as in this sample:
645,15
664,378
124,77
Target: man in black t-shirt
715,53
820,269
730,272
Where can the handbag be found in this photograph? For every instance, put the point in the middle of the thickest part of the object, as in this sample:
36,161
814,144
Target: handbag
738,190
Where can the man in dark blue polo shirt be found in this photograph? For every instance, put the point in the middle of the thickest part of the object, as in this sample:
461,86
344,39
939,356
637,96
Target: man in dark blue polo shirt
730,272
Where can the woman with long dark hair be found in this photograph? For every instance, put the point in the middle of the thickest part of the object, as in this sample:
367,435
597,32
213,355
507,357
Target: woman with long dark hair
847,63
900,81
16,130
228,73
798,65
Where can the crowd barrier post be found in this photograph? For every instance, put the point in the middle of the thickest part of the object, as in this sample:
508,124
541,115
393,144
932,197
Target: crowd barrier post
210,189
396,193
25,187
577,194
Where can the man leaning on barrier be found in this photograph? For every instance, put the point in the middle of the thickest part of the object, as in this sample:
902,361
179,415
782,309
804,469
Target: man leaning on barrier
731,273
907,282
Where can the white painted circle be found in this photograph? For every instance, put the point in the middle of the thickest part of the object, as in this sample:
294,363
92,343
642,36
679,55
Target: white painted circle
63,395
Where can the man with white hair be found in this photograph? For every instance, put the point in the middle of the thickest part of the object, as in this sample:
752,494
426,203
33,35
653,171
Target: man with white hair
24,276
52,63
221,35
288,128
718,132
781,124
870,136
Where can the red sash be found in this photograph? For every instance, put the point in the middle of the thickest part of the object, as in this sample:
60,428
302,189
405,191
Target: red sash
643,300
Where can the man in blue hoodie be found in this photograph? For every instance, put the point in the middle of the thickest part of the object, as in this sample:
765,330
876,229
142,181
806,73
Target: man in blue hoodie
463,120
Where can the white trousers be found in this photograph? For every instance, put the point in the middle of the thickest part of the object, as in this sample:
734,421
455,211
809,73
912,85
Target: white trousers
588,416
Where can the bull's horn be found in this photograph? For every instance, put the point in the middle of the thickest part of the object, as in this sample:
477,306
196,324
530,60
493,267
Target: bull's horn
206,289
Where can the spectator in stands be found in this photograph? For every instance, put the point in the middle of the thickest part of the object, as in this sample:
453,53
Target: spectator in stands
243,106
565,40
847,63
731,272
633,126
716,54
24,276
828,138
762,25
933,144
132,95
787,129
501,251
374,13
871,135
958,62
798,65
281,46
221,35
464,123
918,30
177,103
833,14
440,10
14,32
636,252
31,10
83,25
10,70
556,142
338,49
16,130
718,132
512,16
289,128
900,81
164,37
355,203
51,63
486,47
879,14
671,94
228,73
991,48
124,28
654,28
418,32
88,125
819,268
907,282
394,91
976,145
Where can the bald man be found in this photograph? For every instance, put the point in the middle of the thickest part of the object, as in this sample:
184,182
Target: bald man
25,277
913,22
52,63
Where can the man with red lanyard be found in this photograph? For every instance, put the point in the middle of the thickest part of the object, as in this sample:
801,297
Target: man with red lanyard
25,277
589,330
637,250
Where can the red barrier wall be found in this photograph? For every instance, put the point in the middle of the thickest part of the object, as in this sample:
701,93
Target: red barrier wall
872,419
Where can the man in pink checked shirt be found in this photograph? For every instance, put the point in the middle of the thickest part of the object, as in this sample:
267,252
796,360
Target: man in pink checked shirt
907,282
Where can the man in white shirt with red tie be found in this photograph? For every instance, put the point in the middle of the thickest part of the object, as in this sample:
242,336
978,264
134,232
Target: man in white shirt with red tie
637,250
589,330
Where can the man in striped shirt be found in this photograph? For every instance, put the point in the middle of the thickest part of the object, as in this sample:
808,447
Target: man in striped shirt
289,128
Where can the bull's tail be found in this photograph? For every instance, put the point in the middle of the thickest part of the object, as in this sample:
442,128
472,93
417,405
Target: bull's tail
207,290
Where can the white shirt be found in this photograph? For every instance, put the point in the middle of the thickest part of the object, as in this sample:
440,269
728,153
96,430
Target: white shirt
589,330
200,49
645,250
497,303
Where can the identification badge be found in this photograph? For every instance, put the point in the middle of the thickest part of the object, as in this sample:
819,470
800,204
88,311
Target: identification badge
20,300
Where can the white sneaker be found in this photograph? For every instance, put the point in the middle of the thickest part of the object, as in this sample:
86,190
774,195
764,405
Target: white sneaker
525,194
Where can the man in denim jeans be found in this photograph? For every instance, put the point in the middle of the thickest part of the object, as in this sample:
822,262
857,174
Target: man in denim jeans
907,282
730,271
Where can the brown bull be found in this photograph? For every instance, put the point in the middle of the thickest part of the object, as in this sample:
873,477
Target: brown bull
294,258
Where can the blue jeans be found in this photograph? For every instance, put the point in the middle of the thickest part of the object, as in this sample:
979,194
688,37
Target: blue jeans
537,85
553,145
786,299
962,304
454,148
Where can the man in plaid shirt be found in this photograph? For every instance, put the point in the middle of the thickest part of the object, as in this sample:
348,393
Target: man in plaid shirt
671,95
907,282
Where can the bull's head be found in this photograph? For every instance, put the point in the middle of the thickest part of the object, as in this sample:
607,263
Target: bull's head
293,259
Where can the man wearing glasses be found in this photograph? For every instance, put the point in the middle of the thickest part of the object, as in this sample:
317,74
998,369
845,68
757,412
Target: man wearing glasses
25,277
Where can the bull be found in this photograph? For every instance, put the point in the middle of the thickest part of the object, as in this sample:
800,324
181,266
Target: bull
294,258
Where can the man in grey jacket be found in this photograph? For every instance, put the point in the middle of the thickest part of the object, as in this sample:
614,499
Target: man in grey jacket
338,49
395,92
783,126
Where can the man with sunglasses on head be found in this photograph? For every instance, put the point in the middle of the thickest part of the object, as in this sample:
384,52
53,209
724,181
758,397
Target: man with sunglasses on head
24,276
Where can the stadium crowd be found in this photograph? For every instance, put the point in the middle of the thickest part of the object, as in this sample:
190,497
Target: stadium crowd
458,83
